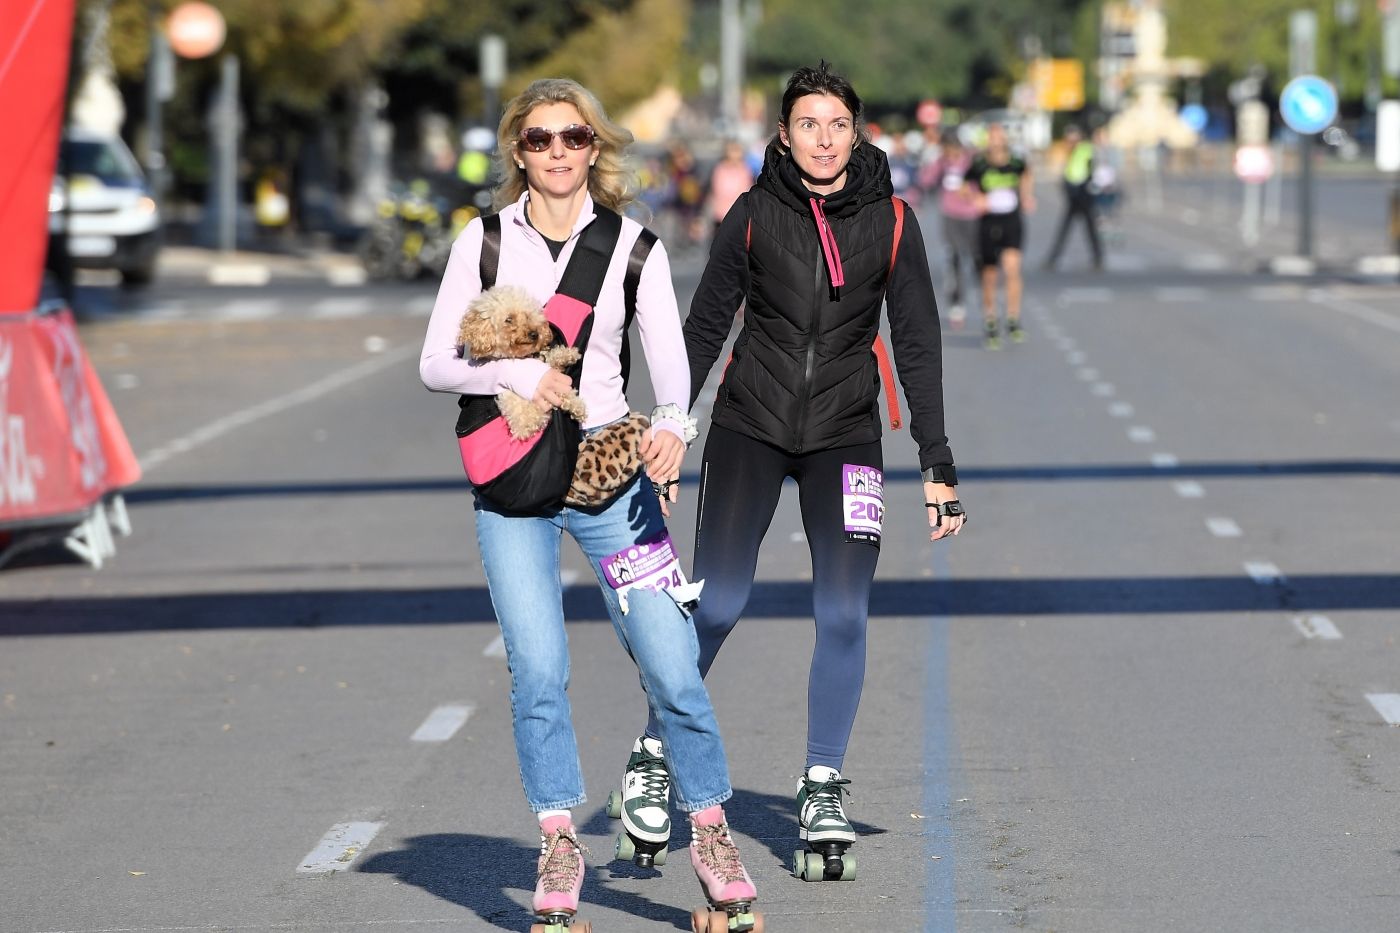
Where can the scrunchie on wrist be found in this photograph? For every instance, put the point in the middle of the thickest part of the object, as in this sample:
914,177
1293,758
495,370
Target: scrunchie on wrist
690,428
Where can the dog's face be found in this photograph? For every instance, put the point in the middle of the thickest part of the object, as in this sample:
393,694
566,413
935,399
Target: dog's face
505,323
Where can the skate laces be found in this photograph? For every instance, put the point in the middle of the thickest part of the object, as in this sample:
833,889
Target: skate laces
717,852
824,798
561,861
656,782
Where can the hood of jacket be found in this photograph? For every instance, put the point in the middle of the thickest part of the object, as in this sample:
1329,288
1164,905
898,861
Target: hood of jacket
867,180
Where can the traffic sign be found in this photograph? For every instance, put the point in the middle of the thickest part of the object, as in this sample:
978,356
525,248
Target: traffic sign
1308,104
1254,164
1195,116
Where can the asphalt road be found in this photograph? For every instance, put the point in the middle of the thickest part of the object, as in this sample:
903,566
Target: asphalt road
1145,690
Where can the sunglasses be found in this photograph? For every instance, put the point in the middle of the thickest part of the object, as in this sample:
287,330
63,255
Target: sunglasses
574,136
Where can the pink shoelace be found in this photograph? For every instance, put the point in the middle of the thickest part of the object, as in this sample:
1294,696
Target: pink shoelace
560,864
718,852
828,241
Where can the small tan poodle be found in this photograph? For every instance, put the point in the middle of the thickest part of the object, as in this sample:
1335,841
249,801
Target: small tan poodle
505,323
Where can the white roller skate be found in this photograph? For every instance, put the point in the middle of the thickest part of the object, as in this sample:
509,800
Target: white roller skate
643,805
822,824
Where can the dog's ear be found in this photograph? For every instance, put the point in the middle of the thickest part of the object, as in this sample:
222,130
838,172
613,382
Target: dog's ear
479,335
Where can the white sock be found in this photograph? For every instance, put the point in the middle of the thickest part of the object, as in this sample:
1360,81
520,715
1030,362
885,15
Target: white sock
547,814
822,773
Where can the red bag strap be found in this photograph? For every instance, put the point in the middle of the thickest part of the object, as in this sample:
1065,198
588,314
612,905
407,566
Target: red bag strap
882,356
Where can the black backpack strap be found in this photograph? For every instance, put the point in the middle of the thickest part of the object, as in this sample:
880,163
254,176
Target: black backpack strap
588,266
635,261
490,250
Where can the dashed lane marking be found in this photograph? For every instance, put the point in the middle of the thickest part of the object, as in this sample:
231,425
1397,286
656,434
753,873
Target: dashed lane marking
1223,527
1263,572
1189,489
1121,410
1165,461
443,723
1355,309
1103,389
1317,627
1088,374
339,847
1388,705
342,307
1076,358
1141,434
250,309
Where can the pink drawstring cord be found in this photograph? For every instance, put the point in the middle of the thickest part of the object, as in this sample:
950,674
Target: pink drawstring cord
828,241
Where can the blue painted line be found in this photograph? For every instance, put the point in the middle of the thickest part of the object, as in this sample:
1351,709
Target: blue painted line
939,893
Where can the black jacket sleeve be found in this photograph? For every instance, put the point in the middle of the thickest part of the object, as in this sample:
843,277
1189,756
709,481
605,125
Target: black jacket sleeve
918,349
723,286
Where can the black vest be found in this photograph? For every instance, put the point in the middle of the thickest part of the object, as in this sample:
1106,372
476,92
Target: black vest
803,375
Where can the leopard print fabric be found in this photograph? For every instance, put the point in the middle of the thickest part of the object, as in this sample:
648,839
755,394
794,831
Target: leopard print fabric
607,461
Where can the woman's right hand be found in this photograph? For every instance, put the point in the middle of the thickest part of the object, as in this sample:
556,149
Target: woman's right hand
551,390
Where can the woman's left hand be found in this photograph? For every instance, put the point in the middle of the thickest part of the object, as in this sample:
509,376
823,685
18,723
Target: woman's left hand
942,525
662,453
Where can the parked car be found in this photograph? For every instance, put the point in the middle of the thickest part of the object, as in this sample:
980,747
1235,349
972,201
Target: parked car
100,201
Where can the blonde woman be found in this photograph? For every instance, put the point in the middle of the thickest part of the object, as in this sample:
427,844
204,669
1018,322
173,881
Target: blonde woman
564,171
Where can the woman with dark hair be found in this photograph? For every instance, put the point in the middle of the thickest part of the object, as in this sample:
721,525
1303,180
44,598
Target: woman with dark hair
564,180
812,251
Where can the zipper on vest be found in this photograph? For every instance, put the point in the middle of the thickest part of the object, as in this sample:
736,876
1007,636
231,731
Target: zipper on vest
811,367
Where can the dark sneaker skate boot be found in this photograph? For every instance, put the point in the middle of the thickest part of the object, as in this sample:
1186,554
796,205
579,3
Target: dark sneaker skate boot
822,824
728,888
1015,331
643,805
991,336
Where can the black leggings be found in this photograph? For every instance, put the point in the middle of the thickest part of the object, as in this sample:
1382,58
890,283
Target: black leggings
741,480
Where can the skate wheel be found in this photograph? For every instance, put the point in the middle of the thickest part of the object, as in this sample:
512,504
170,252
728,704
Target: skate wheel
659,859
814,866
848,867
614,807
626,848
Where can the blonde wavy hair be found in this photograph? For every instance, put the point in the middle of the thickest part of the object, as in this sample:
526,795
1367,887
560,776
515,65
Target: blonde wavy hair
610,180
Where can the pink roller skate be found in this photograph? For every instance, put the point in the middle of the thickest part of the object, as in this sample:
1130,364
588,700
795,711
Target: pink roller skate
727,886
560,879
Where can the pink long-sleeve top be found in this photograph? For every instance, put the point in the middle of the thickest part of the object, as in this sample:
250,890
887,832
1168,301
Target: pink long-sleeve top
527,263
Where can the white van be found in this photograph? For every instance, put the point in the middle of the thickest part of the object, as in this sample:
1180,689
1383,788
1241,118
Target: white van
101,200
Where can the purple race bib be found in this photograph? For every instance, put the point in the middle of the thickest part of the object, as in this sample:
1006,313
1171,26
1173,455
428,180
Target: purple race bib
862,502
651,565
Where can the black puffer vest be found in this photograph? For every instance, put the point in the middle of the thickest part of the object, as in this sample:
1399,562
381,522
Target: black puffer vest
803,375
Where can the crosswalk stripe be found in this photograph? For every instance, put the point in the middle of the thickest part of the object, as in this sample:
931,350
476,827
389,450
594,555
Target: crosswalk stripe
339,847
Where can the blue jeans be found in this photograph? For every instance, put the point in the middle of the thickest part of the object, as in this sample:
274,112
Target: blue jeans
521,558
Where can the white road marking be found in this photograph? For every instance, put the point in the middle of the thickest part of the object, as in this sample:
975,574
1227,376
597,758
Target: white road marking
1388,705
1362,312
1103,389
1121,410
248,309
339,847
1223,527
342,307
346,275
1189,489
1141,434
1165,461
221,426
166,309
239,275
1319,627
443,723
1275,293
1088,374
1180,293
1263,572
1076,358
1092,294
1205,262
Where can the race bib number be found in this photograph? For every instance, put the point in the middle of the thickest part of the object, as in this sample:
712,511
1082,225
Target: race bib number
651,565
1002,201
863,502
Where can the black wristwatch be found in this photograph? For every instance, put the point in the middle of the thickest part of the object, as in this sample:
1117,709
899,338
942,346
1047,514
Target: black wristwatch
949,509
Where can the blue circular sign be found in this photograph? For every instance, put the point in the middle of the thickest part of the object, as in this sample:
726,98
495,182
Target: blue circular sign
1194,116
1308,104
